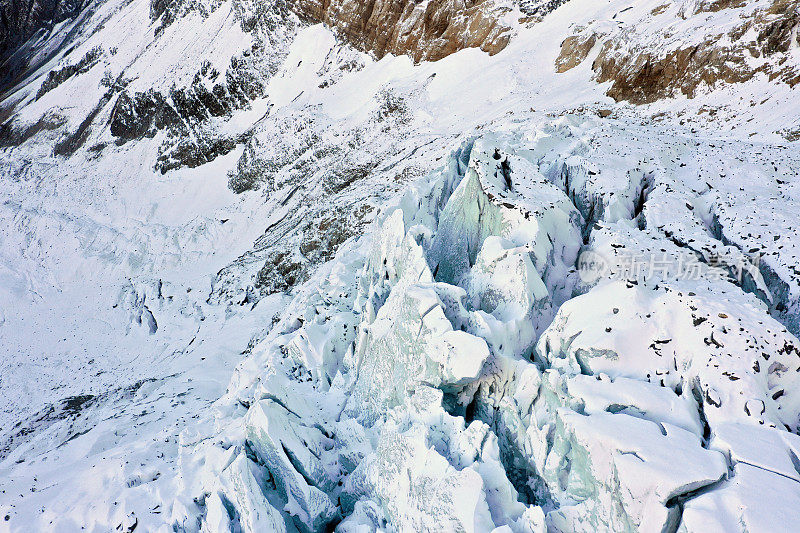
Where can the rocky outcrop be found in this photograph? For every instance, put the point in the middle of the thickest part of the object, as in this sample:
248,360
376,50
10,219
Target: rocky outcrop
644,65
143,113
182,114
426,31
19,21
168,11
58,76
574,51
186,113
302,159
539,8
645,77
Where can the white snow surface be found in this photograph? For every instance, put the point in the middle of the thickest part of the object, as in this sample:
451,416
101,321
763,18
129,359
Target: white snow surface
449,369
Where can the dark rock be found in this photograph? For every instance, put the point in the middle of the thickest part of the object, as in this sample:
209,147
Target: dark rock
22,19
141,115
12,135
280,273
59,76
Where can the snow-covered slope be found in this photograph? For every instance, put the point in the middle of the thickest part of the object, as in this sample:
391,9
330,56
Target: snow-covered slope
253,278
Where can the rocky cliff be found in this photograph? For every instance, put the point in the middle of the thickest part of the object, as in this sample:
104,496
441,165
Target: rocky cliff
704,44
22,19
426,31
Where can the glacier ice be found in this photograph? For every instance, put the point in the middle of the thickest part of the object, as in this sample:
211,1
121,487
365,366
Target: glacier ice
452,369
465,375
452,365
460,374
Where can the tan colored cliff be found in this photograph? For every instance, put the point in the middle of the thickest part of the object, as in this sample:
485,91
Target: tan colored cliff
427,31
645,65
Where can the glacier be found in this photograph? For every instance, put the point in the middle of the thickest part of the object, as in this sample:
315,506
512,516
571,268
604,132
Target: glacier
256,277
466,345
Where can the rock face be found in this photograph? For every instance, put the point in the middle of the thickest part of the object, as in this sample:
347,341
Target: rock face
187,110
646,64
574,51
426,31
58,76
20,20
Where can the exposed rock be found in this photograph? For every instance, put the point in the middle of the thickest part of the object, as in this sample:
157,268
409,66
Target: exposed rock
142,114
539,8
267,153
321,238
187,110
301,154
790,135
279,273
711,6
68,144
426,31
59,76
185,115
759,42
12,135
178,151
171,10
20,20
574,50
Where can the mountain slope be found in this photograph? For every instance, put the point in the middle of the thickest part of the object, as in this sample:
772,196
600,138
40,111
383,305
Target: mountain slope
259,273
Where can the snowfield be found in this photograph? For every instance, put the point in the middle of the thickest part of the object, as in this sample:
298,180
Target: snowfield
344,293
